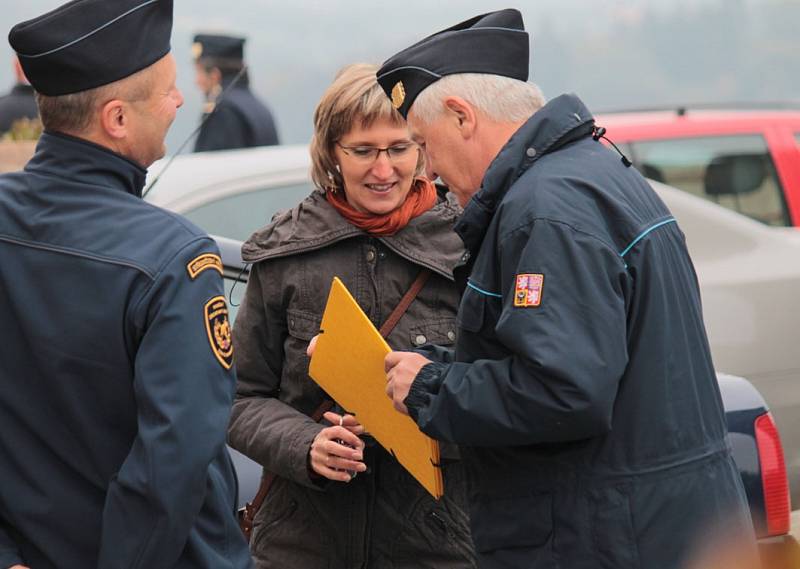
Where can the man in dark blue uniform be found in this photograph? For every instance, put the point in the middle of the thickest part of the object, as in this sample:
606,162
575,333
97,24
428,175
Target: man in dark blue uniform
116,375
236,119
19,103
581,386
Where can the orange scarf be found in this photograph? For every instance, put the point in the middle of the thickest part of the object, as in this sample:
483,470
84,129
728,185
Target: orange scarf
420,199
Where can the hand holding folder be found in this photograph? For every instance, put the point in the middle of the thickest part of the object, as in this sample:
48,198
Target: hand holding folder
348,363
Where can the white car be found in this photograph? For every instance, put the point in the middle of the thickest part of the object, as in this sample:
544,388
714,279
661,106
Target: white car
749,273
234,192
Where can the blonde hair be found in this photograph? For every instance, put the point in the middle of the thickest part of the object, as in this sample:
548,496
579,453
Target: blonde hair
502,99
354,95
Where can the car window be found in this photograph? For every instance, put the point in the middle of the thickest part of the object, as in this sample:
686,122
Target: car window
736,172
238,216
797,138
234,293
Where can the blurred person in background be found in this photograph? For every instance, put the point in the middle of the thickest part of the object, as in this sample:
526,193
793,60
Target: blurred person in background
380,226
237,119
19,103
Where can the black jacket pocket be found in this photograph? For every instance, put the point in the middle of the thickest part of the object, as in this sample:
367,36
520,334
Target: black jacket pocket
511,522
612,529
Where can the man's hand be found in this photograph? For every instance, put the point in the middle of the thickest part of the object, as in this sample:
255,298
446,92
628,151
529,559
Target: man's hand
19,567
401,369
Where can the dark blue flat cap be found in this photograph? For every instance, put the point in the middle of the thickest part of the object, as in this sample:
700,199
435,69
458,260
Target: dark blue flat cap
215,45
88,43
495,43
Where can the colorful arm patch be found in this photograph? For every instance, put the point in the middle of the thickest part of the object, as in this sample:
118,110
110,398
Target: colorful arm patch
203,262
528,290
218,328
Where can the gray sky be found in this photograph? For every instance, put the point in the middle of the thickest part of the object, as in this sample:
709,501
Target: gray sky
613,53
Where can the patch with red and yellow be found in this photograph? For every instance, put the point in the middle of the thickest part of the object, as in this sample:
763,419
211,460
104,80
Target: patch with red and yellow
218,328
203,262
528,290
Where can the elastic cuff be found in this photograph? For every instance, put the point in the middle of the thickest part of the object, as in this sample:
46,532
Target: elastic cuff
426,384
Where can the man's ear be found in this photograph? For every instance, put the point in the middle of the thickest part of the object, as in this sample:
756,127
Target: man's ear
18,72
114,119
462,112
216,75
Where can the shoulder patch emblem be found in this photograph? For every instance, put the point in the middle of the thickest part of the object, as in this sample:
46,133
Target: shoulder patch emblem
203,262
218,328
528,290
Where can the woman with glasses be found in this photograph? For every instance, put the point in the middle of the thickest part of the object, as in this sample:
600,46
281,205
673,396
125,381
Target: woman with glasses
338,500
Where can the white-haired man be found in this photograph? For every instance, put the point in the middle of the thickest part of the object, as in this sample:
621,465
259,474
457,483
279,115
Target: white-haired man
581,385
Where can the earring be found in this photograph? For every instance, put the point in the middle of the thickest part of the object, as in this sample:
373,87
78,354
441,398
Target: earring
338,169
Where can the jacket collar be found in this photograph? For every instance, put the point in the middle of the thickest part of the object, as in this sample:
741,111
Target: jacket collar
427,240
84,162
22,89
561,121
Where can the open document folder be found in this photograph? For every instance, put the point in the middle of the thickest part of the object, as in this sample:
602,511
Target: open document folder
348,364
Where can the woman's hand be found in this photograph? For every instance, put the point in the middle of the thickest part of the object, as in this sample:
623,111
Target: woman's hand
312,346
337,451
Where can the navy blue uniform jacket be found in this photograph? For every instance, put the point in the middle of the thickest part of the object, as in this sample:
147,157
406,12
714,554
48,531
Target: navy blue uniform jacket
582,386
240,120
113,399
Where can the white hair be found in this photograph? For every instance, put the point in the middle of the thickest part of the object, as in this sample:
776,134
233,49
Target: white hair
500,98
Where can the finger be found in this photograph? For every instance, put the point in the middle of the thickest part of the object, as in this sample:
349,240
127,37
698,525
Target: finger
357,430
400,407
331,465
350,423
345,443
391,360
332,418
339,463
312,345
336,475
349,420
345,433
328,442
390,389
320,467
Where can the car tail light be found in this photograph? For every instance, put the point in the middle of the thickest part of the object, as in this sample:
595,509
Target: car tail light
773,476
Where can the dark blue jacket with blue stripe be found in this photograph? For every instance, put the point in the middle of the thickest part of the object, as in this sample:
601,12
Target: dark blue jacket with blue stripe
583,391
115,374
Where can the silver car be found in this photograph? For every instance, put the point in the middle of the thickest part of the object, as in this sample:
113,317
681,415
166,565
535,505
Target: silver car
749,273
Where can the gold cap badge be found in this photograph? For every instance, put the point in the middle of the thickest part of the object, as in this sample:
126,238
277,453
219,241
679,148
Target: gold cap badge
197,49
398,95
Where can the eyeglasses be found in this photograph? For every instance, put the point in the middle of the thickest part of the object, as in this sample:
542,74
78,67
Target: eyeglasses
369,154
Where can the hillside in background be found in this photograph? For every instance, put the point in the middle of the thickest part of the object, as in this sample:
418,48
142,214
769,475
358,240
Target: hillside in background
615,54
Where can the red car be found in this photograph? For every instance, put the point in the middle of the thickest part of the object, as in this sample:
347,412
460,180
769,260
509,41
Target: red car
745,160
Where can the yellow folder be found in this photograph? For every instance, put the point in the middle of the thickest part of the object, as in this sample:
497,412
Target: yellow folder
348,364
